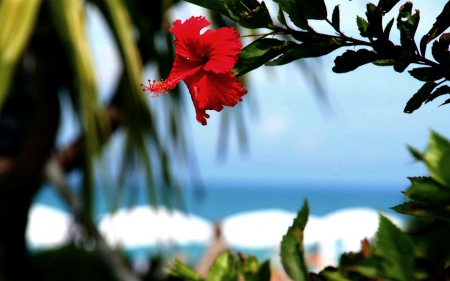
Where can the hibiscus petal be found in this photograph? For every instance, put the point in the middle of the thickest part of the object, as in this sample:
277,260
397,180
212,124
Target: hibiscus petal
187,35
211,91
224,45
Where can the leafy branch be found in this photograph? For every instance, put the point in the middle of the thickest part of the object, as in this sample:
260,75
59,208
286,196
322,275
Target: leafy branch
304,42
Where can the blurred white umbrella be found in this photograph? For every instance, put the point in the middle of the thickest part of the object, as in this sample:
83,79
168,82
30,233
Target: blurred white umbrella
146,226
48,227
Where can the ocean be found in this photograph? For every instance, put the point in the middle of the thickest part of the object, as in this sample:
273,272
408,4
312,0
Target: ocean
222,202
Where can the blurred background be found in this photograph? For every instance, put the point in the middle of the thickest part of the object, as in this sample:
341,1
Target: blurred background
98,178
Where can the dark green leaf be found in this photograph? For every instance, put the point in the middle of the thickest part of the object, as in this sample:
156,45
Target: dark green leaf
396,249
440,48
307,50
223,268
249,13
334,276
422,95
259,52
431,193
374,17
441,24
291,250
350,60
408,26
280,16
362,25
184,272
427,73
335,20
384,62
388,28
215,5
404,60
445,102
443,90
386,5
311,9
420,209
296,16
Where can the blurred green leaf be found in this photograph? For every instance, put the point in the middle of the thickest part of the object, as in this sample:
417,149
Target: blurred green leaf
180,270
427,73
17,20
291,250
333,276
223,268
307,50
420,209
438,158
421,96
416,153
251,270
335,19
259,52
396,249
249,13
350,60
428,192
441,24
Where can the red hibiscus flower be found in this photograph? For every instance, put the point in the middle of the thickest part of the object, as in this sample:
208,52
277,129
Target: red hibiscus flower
204,62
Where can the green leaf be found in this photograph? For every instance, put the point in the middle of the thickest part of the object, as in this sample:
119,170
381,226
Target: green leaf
431,193
362,25
249,13
333,276
439,51
422,95
443,90
416,153
384,62
386,5
351,60
427,73
296,17
408,26
214,5
387,29
404,60
335,20
396,249
251,270
17,21
259,52
420,209
441,24
183,271
280,16
374,17
311,9
445,102
223,268
291,250
437,158
307,50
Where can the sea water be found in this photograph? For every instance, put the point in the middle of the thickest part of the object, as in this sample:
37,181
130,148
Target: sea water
216,203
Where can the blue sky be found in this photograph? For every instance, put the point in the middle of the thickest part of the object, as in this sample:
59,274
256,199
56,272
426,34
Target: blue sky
292,137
